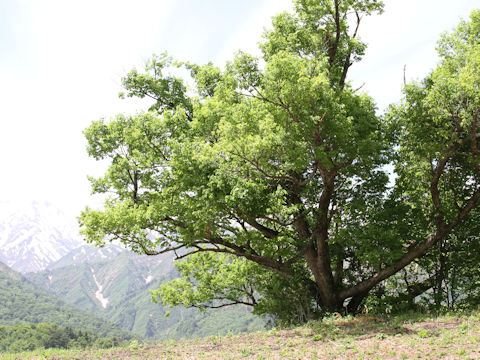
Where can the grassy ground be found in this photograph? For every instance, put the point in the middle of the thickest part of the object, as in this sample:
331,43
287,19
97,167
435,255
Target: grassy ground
366,337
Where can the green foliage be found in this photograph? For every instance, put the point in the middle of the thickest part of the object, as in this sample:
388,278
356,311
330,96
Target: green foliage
214,281
269,175
158,84
438,167
28,337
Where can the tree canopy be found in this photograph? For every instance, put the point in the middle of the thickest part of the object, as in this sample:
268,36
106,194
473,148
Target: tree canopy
268,177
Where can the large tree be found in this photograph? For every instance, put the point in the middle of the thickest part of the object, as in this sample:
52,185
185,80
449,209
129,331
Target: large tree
268,177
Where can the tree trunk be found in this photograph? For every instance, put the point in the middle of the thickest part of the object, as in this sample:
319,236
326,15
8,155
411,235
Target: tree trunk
328,296
355,302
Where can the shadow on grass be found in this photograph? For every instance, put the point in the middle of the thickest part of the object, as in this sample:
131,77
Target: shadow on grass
364,327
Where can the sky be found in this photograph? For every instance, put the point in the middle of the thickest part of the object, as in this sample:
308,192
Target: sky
61,63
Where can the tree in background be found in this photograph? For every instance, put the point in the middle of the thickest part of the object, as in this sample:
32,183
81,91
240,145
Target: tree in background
268,177
438,163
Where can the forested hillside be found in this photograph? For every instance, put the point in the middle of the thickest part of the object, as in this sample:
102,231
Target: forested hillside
22,302
25,337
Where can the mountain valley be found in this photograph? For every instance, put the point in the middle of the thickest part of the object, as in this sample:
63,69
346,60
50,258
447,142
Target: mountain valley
118,289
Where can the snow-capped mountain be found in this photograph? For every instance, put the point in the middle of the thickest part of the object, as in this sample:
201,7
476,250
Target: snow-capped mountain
34,235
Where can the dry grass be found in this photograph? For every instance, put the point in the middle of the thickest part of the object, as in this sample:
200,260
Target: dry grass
449,337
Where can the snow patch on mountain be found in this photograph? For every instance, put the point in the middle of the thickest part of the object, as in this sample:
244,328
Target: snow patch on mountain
98,293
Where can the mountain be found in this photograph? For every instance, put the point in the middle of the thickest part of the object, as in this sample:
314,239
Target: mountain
87,253
34,235
98,286
118,289
22,302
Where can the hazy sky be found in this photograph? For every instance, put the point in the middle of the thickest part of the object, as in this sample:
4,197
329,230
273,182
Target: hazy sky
61,62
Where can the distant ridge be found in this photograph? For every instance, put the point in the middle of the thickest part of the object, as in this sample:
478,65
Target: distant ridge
87,254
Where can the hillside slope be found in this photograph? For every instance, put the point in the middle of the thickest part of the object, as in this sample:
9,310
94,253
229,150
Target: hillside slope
118,289
21,301
403,337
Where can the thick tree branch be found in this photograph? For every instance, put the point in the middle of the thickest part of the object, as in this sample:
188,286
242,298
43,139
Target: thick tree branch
473,133
267,232
333,47
281,268
381,275
238,302
319,260
347,63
